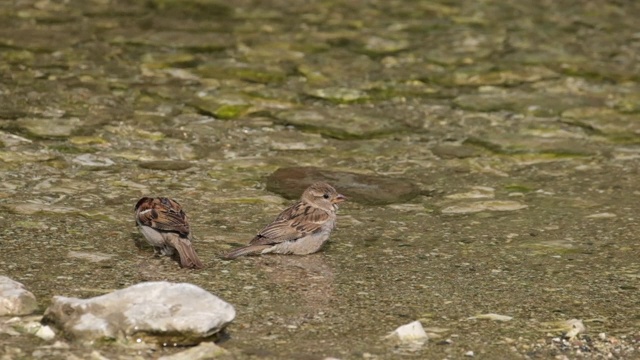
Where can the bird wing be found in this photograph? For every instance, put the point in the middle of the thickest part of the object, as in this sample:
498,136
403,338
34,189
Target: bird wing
162,214
297,221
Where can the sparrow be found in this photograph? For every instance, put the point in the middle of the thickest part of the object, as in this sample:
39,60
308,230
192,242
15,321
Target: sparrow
165,226
300,229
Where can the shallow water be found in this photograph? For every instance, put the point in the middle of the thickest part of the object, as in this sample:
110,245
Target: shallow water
532,107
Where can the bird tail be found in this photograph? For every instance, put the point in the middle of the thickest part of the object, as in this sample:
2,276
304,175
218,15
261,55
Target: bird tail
246,250
188,257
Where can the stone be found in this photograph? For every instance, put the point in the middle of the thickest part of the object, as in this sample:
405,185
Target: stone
89,256
450,151
49,128
338,94
491,316
411,332
570,329
206,350
93,160
174,314
346,121
166,165
364,189
491,205
15,299
543,105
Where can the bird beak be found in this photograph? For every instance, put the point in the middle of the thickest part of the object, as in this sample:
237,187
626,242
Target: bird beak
338,199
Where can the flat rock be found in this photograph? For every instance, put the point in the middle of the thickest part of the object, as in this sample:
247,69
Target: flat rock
162,312
15,299
365,189
166,165
49,128
345,122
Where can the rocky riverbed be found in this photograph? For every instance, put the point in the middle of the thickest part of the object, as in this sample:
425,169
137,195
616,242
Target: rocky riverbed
492,150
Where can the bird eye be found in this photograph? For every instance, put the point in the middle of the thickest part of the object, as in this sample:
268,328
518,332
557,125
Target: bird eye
326,196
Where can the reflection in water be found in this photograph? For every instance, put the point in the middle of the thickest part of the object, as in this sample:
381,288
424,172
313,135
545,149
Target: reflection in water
310,277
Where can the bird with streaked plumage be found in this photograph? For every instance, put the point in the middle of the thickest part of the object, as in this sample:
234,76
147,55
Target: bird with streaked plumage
301,229
166,227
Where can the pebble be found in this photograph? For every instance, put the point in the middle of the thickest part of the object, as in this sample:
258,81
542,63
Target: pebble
493,205
491,316
205,350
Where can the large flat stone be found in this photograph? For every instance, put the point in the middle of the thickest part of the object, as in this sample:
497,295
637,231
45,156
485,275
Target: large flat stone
163,312
365,189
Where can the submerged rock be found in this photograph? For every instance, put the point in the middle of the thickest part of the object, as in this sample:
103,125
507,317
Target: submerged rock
163,312
345,122
365,189
165,165
15,299
49,128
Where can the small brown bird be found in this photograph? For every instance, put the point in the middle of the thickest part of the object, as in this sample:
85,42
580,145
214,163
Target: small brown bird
300,229
165,227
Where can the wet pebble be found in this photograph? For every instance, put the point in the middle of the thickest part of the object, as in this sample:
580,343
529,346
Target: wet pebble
206,350
165,165
93,160
604,215
15,299
570,329
449,151
534,104
28,209
344,122
337,94
493,205
168,313
491,316
91,257
365,189
477,192
49,128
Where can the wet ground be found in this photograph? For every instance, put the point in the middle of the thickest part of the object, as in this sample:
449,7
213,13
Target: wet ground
518,124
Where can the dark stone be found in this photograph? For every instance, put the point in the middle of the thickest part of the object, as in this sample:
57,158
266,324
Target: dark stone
364,189
448,151
166,165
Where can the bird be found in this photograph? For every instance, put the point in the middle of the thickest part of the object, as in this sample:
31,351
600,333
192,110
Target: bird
300,229
165,226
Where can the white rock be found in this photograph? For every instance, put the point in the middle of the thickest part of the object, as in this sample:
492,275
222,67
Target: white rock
491,316
576,327
410,332
604,215
180,314
44,332
15,299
